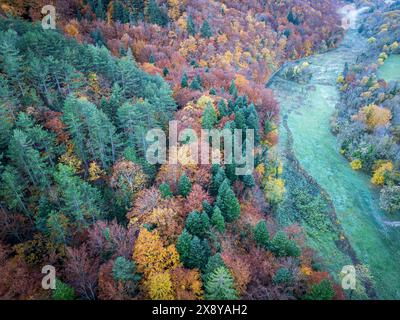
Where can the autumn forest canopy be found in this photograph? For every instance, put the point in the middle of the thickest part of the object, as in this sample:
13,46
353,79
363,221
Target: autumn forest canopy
76,104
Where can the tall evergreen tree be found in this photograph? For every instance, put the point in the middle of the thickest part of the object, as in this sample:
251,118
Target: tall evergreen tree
227,202
233,89
28,160
155,14
199,253
11,62
135,121
209,117
217,180
205,30
79,200
94,135
184,81
261,235
220,285
196,83
184,185
12,189
218,220
198,224
223,108
191,27
183,245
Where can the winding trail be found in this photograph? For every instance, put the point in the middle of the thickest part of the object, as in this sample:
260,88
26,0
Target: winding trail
366,238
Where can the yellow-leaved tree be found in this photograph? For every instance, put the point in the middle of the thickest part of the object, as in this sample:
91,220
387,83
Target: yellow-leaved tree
160,286
155,262
379,174
151,256
374,116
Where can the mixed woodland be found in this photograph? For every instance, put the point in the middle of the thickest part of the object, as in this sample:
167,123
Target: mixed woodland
76,191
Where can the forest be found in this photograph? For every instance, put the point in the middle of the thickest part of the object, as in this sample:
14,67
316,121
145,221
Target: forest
76,103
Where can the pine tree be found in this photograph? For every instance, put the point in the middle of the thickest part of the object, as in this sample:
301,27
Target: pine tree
63,291
227,202
217,180
183,246
152,59
12,189
240,120
28,160
57,226
198,224
282,246
321,291
233,89
199,253
155,14
207,208
138,9
135,121
79,200
283,276
184,81
222,108
214,262
205,30
253,122
220,285
94,135
261,235
6,125
100,10
11,61
165,191
218,220
125,270
209,118
249,181
165,71
184,186
196,83
191,28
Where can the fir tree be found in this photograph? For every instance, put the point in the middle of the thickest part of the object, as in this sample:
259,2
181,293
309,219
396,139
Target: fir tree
218,220
184,81
183,246
205,30
261,235
196,83
198,224
184,186
227,202
155,14
282,246
220,285
165,191
12,189
191,28
222,108
209,118
165,71
199,253
217,180
233,89
63,291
